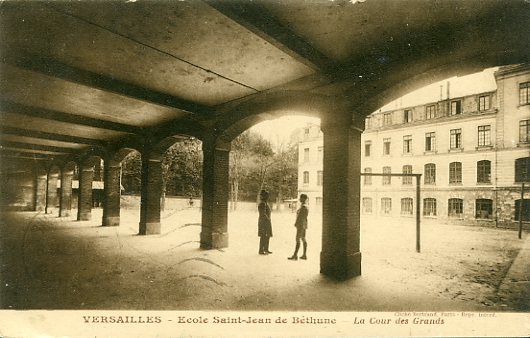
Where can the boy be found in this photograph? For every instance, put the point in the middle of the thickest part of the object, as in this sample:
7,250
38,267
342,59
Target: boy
301,227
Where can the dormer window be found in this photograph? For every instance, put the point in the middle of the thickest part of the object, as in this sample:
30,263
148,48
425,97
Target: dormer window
483,102
455,107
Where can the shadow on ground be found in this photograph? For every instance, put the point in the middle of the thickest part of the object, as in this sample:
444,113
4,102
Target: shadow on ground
59,263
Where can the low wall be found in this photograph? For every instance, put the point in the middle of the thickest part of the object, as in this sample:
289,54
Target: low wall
179,203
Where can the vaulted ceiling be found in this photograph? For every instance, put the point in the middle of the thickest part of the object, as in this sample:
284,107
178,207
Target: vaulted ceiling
81,74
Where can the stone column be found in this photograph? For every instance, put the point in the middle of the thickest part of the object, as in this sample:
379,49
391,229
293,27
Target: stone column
40,192
150,196
215,190
65,199
84,205
341,257
111,201
51,193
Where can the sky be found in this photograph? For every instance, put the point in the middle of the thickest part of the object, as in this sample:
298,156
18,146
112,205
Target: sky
279,130
459,86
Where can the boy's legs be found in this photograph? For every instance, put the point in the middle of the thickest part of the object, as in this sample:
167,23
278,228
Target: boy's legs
305,248
294,257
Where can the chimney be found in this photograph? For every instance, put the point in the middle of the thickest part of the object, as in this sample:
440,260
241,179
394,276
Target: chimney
448,93
441,92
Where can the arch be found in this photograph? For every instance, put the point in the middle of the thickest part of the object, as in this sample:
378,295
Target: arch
241,115
172,129
116,157
156,152
90,156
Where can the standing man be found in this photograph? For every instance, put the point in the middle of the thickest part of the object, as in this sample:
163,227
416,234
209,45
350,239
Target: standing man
264,223
301,227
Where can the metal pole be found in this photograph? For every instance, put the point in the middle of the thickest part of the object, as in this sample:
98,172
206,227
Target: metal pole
521,212
418,216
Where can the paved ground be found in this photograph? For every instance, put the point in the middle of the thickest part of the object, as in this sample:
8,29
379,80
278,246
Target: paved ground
58,263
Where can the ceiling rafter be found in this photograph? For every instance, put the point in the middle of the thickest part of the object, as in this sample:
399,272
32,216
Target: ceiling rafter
22,154
255,18
32,146
50,136
54,68
15,108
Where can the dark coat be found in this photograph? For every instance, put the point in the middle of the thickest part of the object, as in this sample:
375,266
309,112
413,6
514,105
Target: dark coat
264,220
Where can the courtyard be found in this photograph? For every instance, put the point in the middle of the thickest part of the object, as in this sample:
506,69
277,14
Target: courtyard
59,263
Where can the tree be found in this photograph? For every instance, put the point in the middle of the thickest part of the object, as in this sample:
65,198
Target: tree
238,153
250,159
182,168
131,173
284,174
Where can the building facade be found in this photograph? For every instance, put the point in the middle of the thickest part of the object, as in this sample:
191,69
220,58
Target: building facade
473,153
310,165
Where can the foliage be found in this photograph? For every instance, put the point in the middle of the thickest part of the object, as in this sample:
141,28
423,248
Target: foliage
254,166
131,172
182,168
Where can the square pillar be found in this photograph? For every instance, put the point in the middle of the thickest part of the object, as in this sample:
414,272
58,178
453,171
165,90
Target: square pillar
84,199
341,257
112,194
40,192
65,199
51,193
215,191
150,197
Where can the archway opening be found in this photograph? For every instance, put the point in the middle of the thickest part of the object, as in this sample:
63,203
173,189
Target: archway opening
463,135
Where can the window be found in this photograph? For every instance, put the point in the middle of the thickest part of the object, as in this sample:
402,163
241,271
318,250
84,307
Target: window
367,148
319,177
455,207
407,144
368,123
320,154
318,201
524,131
456,139
407,180
455,107
522,169
483,102
306,133
367,178
306,155
407,116
387,119
429,207
524,93
484,133
483,171
306,178
430,141
484,208
406,206
430,112
455,172
386,205
386,146
430,173
367,205
387,180
525,212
